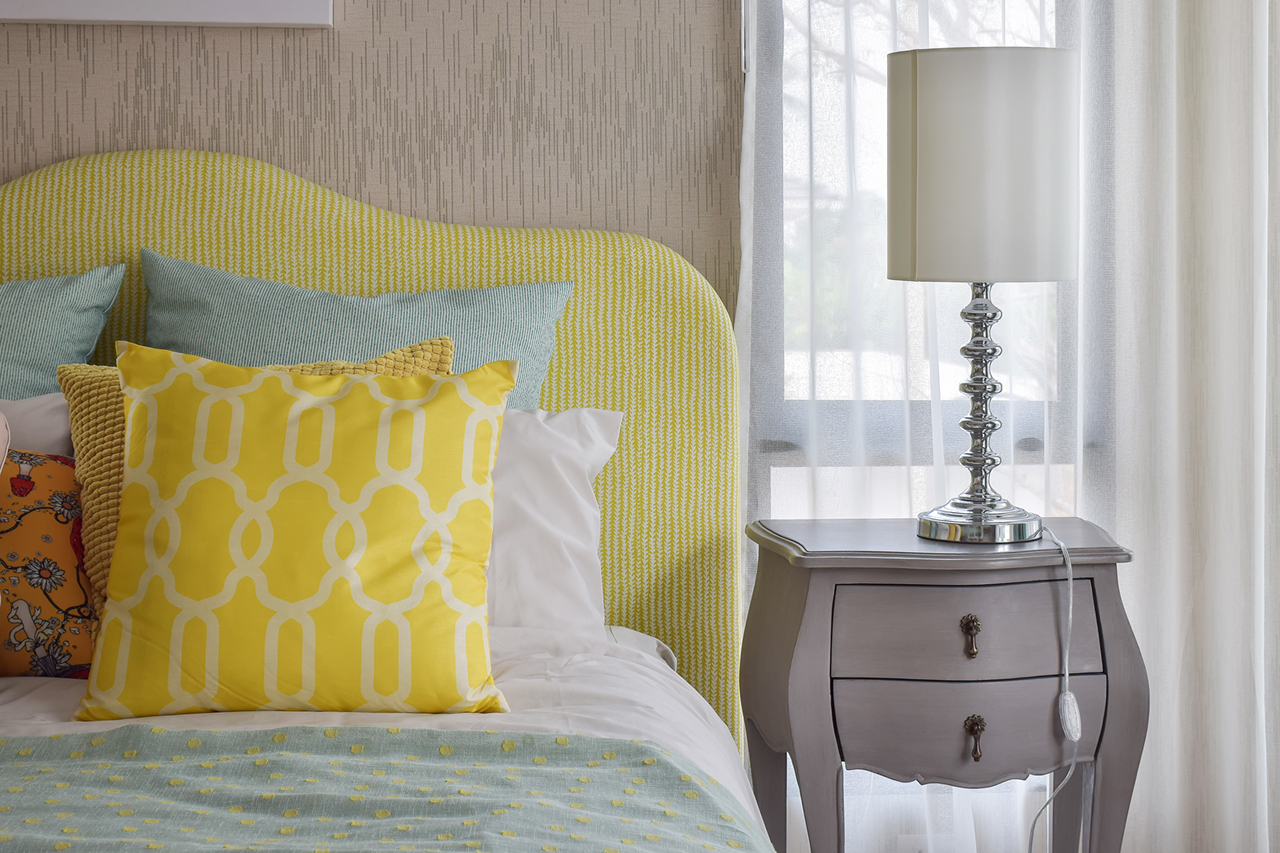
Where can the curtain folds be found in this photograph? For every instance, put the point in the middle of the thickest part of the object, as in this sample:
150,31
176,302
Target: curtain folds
1190,135
1141,397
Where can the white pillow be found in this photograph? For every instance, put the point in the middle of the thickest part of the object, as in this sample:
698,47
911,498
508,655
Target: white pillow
39,424
544,567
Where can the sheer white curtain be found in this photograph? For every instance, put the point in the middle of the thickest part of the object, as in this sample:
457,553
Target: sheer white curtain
1138,397
1183,256
865,394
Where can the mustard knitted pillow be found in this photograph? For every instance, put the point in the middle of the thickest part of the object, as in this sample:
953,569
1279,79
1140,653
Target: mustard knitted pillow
97,431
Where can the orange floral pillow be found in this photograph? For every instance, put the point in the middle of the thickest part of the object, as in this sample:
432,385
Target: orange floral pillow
45,616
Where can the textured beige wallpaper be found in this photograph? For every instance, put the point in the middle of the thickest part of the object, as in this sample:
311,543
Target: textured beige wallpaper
613,114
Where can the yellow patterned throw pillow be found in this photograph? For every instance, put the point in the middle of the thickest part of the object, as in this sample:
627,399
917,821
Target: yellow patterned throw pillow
299,542
97,431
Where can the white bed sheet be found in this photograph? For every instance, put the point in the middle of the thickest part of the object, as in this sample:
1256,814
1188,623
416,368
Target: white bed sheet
554,682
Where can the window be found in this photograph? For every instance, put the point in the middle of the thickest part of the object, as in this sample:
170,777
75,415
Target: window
867,370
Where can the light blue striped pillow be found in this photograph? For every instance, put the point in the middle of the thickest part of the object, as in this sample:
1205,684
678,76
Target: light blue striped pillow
51,321
251,321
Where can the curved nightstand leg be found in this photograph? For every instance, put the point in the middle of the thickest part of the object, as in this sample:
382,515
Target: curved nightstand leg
769,782
1067,810
1113,780
1128,705
822,791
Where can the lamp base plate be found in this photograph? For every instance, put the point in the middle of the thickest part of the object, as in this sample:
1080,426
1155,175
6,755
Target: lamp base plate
957,521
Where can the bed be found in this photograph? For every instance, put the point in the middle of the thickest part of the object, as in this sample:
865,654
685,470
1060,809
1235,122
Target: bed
605,746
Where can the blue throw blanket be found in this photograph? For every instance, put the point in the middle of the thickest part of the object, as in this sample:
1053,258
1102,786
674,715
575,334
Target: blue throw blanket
358,789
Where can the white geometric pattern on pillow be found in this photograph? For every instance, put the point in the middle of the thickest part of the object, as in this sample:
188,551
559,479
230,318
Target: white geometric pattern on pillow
300,542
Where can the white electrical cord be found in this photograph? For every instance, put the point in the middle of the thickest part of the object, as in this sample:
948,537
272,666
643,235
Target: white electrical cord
1068,707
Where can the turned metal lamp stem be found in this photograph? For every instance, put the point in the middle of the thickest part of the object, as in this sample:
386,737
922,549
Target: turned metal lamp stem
979,514
981,314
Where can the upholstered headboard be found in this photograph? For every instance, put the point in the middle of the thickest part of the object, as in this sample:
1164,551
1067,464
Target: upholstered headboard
643,333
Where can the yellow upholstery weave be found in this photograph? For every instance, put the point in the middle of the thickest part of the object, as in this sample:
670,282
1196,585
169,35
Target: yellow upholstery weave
97,431
643,333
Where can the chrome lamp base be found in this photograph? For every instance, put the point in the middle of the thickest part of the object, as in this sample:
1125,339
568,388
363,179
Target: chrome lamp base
957,521
979,514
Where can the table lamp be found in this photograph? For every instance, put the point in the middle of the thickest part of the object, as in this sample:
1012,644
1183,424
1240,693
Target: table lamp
983,187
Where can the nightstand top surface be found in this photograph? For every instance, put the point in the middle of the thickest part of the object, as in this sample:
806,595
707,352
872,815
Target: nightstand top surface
883,543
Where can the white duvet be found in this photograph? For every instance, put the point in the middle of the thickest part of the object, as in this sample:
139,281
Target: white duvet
554,682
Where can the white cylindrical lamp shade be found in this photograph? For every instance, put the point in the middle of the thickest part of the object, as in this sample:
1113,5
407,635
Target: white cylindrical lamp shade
984,164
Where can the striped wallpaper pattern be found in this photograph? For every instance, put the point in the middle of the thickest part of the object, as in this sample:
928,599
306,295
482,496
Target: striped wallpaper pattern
610,114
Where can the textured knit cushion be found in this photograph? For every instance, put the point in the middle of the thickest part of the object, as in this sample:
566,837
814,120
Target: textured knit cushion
299,542
43,592
48,322
97,430
236,319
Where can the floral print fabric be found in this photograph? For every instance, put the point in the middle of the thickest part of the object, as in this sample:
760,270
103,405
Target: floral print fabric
47,622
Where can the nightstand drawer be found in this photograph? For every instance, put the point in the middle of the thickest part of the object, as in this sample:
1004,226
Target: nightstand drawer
916,729
910,631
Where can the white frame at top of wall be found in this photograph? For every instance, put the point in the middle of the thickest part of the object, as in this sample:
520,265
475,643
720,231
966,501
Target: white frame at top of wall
190,13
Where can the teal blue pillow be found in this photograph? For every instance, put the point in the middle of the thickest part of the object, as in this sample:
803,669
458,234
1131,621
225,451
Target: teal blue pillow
51,321
251,322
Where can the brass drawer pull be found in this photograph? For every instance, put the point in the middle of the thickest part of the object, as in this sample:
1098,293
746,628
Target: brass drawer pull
975,726
971,625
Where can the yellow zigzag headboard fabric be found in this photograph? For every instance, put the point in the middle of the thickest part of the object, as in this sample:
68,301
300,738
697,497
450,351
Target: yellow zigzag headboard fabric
643,333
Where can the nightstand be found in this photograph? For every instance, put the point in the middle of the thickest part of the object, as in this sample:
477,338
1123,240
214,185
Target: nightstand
868,647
